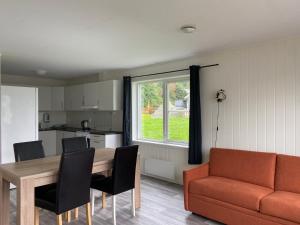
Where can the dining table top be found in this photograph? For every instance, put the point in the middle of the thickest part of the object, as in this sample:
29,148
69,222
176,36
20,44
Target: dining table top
48,166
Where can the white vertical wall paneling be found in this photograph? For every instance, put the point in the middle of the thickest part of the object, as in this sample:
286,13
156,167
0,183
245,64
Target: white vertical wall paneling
289,66
297,98
244,101
279,101
262,109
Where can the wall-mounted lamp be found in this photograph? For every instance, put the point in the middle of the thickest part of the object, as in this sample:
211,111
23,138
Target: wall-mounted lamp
220,96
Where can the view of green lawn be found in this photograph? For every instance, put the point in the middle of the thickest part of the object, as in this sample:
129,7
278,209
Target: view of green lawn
152,128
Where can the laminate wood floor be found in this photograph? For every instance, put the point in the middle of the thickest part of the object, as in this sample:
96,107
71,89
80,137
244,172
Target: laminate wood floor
162,204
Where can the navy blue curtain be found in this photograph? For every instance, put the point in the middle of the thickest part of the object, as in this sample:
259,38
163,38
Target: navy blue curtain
195,136
127,138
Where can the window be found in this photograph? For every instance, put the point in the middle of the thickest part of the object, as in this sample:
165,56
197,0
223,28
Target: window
163,111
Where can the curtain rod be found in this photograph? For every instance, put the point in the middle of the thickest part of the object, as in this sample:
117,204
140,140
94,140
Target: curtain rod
172,71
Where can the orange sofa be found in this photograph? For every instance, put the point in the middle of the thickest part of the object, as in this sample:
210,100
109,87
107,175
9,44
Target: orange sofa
245,188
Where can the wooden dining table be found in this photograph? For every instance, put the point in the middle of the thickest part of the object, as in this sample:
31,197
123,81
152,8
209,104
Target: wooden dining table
29,174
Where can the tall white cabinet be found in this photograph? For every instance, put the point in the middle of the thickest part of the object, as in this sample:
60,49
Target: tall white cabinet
19,118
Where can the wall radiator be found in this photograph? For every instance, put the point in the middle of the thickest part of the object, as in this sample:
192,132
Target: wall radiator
160,169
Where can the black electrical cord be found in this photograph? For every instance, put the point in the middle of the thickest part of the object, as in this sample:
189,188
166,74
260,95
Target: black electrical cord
217,129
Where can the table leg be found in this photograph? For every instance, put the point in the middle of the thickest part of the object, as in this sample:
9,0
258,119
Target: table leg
4,201
25,202
138,184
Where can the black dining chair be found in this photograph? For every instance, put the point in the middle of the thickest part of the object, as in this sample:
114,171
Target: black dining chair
28,150
73,186
74,144
123,176
77,144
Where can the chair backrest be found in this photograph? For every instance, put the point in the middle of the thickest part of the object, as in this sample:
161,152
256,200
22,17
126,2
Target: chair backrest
74,144
28,150
74,179
123,174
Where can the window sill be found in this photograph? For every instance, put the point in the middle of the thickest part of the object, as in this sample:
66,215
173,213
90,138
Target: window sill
181,146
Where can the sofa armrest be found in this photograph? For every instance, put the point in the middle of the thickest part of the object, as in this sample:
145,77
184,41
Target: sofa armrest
193,174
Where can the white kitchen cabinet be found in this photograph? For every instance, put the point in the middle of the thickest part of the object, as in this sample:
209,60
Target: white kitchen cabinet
59,137
97,141
110,95
105,141
113,140
74,98
49,141
58,98
91,96
19,119
45,95
68,98
68,134
103,96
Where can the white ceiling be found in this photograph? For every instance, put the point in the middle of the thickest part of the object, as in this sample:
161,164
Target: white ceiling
77,37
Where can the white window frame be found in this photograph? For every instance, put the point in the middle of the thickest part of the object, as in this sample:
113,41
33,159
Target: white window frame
137,111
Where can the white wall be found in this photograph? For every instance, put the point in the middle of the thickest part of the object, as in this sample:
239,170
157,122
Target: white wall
262,83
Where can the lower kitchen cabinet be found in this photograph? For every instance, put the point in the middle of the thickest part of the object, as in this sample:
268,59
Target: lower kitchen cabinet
52,140
59,137
49,141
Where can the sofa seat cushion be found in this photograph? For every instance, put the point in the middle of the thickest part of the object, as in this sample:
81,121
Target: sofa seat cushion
238,193
285,205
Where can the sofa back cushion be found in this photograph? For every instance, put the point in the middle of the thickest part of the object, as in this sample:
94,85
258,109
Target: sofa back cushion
252,167
287,173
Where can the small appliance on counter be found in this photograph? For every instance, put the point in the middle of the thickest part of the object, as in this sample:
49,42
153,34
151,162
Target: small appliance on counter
85,125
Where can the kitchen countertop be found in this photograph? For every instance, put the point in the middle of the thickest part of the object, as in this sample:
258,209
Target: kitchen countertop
73,129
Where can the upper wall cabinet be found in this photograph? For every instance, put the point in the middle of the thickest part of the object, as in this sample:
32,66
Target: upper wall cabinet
58,99
104,96
74,98
51,98
45,103
110,95
91,96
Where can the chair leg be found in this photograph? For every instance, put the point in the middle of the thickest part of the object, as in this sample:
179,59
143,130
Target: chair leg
133,202
114,209
92,193
59,219
68,216
37,216
76,212
103,200
88,214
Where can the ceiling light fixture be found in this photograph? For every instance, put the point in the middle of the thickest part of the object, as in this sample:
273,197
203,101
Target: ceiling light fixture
188,29
41,72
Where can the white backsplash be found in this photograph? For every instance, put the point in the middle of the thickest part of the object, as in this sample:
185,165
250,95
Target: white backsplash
56,118
98,120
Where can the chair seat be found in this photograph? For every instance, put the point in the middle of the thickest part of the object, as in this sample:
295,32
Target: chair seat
285,205
235,192
96,176
103,183
45,197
